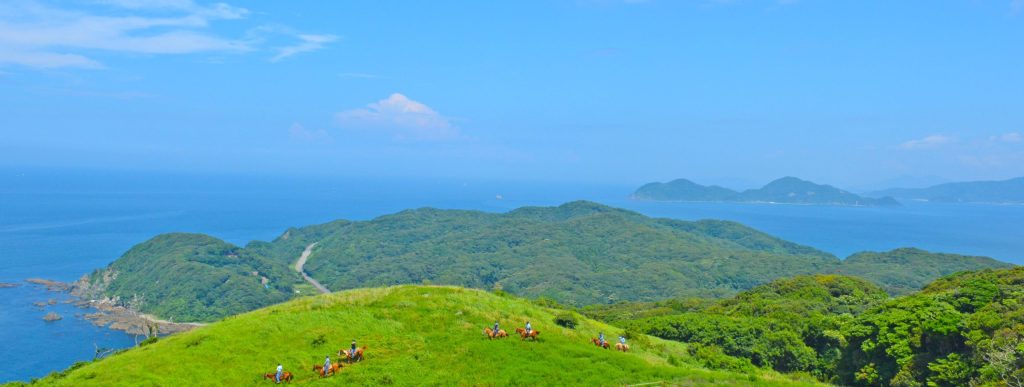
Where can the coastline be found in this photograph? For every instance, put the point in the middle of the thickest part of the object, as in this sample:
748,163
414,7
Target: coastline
107,313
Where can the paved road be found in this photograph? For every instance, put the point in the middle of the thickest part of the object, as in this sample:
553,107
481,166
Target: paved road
302,262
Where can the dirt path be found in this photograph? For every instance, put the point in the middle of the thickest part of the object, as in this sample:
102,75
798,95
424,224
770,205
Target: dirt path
302,262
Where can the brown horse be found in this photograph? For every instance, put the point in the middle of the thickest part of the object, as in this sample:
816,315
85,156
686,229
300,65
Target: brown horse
285,376
622,347
319,369
358,356
491,334
598,343
523,335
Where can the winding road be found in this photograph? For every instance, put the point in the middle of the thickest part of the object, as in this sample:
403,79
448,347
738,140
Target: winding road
302,262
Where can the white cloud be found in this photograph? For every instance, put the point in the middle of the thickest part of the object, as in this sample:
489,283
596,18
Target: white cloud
929,142
307,43
300,133
401,117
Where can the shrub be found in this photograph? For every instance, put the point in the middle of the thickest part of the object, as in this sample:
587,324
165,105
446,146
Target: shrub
566,319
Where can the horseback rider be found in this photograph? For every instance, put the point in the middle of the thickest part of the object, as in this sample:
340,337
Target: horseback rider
529,328
277,376
327,364
622,339
495,332
352,351
600,338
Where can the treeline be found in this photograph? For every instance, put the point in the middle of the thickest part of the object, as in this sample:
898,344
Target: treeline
965,329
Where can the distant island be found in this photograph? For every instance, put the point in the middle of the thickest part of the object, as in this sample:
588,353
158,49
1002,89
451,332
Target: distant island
789,190
1003,191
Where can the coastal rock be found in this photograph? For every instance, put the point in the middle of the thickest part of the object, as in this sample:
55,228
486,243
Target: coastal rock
40,304
5,285
53,286
52,317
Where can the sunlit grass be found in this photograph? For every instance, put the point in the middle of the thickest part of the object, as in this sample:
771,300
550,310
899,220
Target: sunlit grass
415,335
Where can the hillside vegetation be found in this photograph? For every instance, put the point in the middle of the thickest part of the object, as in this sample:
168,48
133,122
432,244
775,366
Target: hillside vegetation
963,329
784,190
579,253
416,335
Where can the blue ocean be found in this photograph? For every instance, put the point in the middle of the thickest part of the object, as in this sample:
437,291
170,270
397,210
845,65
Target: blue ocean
60,225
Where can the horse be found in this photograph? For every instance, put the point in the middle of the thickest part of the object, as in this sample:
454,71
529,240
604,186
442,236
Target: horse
622,347
358,356
523,335
491,334
285,376
319,369
598,343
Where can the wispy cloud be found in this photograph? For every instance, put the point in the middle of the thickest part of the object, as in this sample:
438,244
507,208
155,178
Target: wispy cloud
37,35
1016,6
928,142
1011,137
307,43
297,132
400,117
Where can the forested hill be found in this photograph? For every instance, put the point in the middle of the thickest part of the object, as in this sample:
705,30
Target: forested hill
789,190
578,253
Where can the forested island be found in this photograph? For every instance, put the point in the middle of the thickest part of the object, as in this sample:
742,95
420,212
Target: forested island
1003,191
788,190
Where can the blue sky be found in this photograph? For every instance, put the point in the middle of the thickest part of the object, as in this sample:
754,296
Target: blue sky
738,92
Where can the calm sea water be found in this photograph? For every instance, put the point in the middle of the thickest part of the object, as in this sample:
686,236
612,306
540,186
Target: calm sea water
60,225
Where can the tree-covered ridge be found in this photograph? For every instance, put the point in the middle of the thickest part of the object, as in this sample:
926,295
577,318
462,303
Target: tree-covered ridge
917,267
784,190
578,253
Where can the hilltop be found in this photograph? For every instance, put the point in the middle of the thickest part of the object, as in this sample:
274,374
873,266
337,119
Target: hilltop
789,190
1004,191
416,335
579,253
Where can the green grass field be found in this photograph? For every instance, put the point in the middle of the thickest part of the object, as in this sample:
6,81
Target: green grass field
423,335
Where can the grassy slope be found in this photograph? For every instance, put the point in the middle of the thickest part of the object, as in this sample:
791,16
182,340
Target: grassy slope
416,335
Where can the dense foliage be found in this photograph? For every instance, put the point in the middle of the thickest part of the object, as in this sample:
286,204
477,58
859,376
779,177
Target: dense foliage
576,254
917,267
790,325
784,190
415,335
963,329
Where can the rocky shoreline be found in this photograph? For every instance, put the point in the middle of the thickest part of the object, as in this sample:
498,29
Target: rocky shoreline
108,313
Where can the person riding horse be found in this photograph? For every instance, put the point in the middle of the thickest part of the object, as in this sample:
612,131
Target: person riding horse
352,351
277,376
494,333
327,364
529,328
600,338
622,340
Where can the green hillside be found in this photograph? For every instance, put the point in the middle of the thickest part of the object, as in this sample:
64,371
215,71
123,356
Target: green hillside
416,335
579,253
917,267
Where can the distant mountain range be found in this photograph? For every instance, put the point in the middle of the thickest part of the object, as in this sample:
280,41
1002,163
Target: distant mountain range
1004,191
785,190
